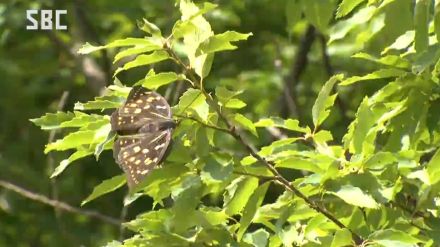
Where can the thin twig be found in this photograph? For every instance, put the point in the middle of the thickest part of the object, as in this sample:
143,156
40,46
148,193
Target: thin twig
234,132
57,204
204,124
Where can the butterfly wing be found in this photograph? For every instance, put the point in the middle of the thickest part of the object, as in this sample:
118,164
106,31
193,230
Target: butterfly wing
137,155
138,151
141,107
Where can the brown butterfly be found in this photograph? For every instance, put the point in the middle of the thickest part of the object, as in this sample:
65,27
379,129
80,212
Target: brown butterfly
144,126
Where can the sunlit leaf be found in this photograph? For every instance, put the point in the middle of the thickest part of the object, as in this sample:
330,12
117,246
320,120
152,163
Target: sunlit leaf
106,187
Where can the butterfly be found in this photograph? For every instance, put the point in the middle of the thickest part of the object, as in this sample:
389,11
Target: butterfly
144,126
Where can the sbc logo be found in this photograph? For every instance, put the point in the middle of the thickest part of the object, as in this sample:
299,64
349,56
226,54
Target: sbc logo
45,20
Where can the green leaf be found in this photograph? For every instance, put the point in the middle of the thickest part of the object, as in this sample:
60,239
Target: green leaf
143,60
251,209
79,138
154,43
72,140
52,120
75,156
224,95
105,144
235,104
100,103
320,109
149,28
342,238
221,42
82,119
289,124
433,168
245,123
139,49
402,42
293,13
437,19
390,60
355,196
238,193
259,238
105,187
193,99
153,82
299,164
421,20
393,238
379,74
318,13
203,66
346,7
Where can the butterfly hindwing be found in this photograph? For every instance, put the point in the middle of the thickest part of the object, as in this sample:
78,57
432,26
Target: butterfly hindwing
142,141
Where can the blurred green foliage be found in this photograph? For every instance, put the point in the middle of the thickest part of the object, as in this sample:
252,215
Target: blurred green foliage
367,154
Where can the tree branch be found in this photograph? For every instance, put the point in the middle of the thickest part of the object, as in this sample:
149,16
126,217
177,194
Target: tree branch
234,132
299,65
57,204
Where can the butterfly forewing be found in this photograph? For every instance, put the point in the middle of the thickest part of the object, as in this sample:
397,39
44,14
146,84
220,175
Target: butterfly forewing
142,140
140,108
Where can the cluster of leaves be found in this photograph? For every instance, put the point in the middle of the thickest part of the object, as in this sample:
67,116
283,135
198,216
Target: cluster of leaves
378,185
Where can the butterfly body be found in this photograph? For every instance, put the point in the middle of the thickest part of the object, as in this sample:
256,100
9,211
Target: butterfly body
144,127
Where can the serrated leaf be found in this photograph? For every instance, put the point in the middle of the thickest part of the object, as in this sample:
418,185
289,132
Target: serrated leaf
379,74
245,123
155,81
238,193
251,208
355,196
79,138
52,120
139,49
193,99
143,60
289,124
100,103
72,140
66,162
390,60
105,187
346,7
81,119
324,101
88,48
221,42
